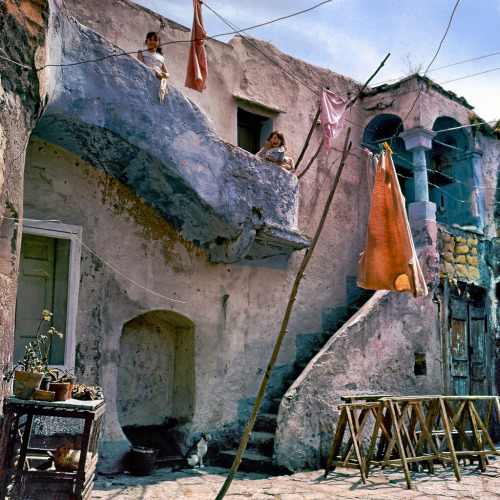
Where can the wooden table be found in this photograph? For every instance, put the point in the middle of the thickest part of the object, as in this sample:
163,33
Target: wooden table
410,430
16,455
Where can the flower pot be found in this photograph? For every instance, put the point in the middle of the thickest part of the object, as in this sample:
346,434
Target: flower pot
46,380
61,389
41,395
25,383
71,381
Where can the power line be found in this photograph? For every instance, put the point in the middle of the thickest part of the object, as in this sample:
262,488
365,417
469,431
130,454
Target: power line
433,59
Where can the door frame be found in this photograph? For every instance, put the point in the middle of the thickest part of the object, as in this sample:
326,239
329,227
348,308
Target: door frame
446,337
55,229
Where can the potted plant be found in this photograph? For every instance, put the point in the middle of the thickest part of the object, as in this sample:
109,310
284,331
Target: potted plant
34,365
63,384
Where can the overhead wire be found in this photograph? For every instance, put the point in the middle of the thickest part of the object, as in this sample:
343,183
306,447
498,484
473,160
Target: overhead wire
430,64
240,31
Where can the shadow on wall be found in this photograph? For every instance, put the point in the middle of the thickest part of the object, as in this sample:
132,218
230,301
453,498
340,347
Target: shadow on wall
156,376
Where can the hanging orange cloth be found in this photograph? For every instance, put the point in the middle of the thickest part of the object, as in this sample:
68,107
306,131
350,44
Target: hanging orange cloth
389,261
196,77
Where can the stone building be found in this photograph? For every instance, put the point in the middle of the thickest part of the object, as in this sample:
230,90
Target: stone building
167,250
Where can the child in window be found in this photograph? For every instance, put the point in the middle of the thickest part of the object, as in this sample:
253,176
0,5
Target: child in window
274,150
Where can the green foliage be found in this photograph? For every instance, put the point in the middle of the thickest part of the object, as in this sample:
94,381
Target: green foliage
36,355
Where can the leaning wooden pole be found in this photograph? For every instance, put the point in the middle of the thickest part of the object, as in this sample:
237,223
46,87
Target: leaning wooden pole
284,325
312,159
306,144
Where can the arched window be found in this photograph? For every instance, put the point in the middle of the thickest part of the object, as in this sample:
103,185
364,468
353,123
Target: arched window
384,128
451,176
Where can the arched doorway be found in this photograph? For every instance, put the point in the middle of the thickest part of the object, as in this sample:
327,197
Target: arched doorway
156,379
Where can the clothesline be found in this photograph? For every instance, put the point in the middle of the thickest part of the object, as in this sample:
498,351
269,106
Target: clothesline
25,219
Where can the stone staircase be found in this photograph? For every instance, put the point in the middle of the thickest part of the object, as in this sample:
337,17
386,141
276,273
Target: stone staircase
258,456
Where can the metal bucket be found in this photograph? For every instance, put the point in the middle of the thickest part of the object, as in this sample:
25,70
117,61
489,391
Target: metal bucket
142,460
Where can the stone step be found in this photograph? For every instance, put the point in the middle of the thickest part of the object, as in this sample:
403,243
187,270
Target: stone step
252,462
273,405
262,442
266,422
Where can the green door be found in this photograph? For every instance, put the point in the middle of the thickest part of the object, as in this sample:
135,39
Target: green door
43,284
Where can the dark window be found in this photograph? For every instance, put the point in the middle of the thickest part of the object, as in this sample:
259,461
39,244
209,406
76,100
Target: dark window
251,130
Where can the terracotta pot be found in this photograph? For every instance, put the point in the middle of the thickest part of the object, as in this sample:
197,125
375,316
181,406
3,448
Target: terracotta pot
41,395
25,383
46,380
61,389
71,381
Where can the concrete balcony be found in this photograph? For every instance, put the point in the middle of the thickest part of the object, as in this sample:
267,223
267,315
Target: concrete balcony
228,202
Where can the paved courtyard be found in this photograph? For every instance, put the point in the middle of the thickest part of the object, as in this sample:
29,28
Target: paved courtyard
204,484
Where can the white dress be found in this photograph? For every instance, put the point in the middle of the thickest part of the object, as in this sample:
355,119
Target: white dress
153,59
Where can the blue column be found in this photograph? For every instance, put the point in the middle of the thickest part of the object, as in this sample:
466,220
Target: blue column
418,140
422,213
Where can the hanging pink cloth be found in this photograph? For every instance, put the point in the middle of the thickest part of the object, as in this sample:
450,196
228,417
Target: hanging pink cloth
389,261
332,115
196,77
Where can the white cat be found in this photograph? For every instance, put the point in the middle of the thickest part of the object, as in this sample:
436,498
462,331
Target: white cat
194,457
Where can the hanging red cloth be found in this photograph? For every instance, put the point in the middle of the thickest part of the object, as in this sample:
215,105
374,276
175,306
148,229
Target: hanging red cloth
332,115
389,261
196,77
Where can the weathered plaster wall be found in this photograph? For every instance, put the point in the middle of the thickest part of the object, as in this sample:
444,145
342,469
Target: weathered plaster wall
237,68
236,309
22,27
373,352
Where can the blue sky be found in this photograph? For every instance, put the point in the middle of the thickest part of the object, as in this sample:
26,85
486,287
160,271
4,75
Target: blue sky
352,37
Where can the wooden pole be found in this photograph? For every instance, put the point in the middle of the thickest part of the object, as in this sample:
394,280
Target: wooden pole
358,95
284,325
312,159
348,105
308,138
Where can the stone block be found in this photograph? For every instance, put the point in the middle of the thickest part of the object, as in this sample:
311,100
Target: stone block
462,270
471,241
473,273
449,247
448,257
448,269
460,239
473,250
472,261
461,249
460,259
446,237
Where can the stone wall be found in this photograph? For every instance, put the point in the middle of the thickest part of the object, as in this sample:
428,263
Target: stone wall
23,27
460,258
379,350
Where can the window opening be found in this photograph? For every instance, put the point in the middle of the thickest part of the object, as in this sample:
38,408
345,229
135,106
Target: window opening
253,130
48,279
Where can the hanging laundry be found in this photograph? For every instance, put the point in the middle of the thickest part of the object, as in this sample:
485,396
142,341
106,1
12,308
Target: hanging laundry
196,77
163,90
371,171
389,261
332,115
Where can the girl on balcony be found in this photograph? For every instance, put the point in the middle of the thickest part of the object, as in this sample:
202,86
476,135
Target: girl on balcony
153,58
274,150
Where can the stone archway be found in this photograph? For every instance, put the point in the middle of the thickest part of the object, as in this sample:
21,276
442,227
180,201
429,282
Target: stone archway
386,127
452,179
156,377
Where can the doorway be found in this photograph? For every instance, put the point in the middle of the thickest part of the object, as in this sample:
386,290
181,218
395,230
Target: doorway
468,340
